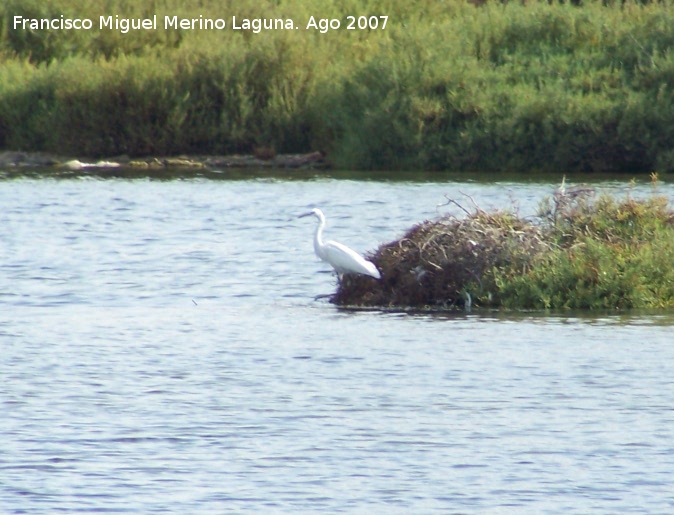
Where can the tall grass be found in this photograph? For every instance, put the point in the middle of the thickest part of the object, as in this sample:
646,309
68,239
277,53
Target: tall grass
444,86
607,254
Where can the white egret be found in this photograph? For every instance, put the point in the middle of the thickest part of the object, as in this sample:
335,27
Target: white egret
343,259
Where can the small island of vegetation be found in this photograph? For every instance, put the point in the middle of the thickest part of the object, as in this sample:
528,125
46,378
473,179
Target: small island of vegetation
582,251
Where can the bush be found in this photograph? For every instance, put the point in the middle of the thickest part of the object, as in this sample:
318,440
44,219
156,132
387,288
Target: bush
604,254
444,86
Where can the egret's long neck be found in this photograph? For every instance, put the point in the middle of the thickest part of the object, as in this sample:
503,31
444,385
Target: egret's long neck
318,236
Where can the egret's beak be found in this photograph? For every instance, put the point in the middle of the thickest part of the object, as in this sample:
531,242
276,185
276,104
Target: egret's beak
308,213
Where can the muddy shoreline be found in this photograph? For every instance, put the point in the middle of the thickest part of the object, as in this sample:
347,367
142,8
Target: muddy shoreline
16,159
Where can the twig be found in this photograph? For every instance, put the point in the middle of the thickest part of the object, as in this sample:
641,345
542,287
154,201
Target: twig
452,201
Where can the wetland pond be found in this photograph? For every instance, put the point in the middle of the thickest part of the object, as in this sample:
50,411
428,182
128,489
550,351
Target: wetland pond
162,351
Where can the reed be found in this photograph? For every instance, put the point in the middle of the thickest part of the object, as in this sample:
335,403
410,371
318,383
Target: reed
446,85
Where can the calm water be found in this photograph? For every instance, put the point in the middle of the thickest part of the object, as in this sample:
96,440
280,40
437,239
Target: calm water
161,351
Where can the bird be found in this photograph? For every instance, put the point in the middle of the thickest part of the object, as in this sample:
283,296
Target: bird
343,259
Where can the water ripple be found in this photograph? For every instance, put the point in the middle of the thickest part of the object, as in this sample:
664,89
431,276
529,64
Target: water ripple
161,352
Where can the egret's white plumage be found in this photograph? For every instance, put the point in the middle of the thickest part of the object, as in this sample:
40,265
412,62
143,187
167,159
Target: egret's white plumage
343,259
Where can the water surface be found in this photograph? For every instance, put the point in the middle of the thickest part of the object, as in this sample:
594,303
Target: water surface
161,351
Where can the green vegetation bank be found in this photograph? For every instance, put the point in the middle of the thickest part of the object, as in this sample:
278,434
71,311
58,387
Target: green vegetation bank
444,85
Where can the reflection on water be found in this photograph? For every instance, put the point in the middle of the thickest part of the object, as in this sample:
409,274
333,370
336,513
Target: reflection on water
161,351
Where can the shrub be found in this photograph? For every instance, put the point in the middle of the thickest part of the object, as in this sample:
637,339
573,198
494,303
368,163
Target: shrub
444,86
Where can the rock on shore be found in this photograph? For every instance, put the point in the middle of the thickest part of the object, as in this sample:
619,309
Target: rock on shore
15,159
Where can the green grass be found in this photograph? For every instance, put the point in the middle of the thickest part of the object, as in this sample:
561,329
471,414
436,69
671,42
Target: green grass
445,86
603,254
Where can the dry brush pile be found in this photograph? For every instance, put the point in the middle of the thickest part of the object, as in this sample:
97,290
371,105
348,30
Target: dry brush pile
445,263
